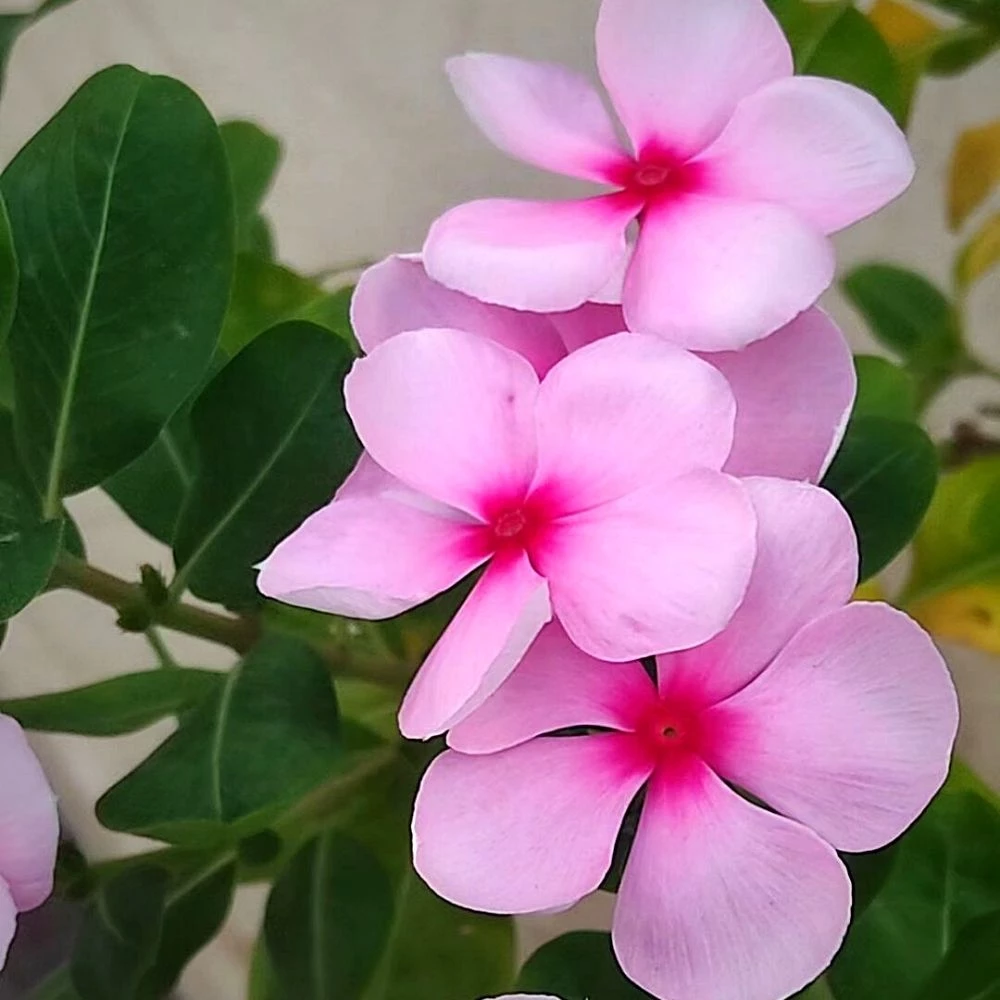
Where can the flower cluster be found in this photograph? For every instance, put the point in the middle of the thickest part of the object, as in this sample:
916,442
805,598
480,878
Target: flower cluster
622,438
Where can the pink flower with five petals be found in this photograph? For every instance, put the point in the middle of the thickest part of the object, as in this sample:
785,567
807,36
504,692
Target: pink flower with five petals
595,494
738,173
841,717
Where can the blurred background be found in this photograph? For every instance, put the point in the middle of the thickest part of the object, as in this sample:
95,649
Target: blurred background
375,146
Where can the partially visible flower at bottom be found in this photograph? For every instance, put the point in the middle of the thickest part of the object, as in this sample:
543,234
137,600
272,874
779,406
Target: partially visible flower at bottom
841,717
29,831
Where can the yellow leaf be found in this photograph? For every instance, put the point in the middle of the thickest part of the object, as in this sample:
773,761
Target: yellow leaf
975,171
902,26
969,615
980,254
870,590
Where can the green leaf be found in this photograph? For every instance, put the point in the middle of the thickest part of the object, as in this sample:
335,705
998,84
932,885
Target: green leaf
971,969
578,966
962,51
196,908
268,736
946,874
328,919
884,390
118,938
266,293
835,40
274,443
116,706
253,156
122,217
884,474
58,986
912,318
8,275
959,541
29,548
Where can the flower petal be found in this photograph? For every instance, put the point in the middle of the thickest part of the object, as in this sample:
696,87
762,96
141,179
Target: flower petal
806,566
659,569
794,393
370,557
592,321
539,112
556,685
713,274
849,730
676,69
397,295
449,413
625,412
546,256
483,644
527,829
723,899
827,150
29,823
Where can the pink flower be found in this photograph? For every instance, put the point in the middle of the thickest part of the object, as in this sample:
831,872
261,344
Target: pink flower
595,494
794,390
29,832
839,716
739,173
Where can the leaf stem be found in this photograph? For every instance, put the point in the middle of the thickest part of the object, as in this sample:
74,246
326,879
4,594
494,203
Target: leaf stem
164,655
238,633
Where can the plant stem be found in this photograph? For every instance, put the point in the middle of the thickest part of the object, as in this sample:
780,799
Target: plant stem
238,633
164,655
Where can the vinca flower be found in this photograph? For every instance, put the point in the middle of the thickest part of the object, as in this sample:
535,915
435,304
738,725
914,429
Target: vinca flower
737,174
840,717
594,494
29,832
794,390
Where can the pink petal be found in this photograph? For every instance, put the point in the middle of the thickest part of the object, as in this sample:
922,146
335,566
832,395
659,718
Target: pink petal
659,569
827,150
484,642
556,685
29,824
370,557
676,69
526,829
721,899
397,295
794,393
590,322
539,112
449,413
8,922
807,559
713,274
850,730
625,412
538,255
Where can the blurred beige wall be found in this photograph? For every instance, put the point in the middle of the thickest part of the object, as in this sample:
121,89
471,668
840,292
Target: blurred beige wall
375,147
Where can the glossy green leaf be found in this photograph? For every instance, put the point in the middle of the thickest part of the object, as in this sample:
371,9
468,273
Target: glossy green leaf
911,317
58,986
274,443
959,542
884,474
253,156
328,919
29,547
971,969
8,275
269,735
119,935
946,874
122,218
835,40
196,908
578,966
266,293
884,390
116,706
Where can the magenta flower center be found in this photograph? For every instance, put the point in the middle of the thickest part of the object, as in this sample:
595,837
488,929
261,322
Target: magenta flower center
669,729
658,174
510,524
